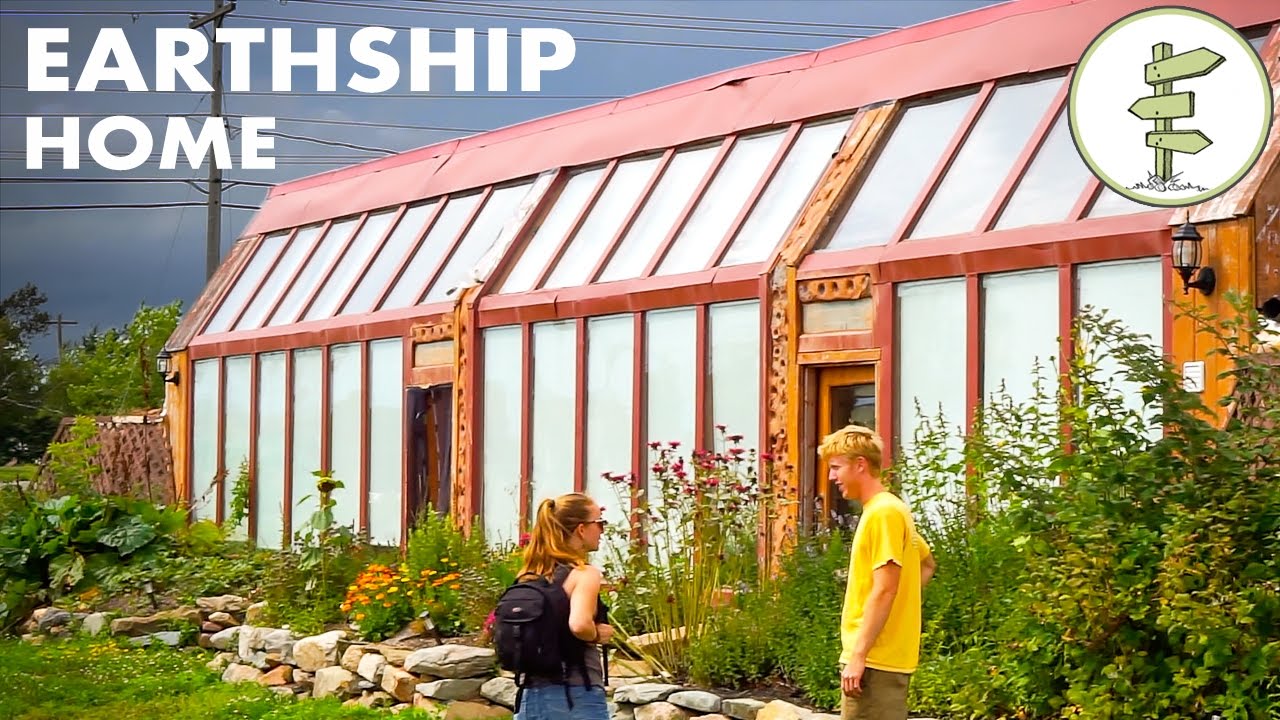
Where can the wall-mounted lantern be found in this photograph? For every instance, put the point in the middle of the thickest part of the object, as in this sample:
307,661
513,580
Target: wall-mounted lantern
1187,256
164,366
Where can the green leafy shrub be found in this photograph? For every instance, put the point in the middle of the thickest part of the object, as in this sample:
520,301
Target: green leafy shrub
437,554
1118,571
738,649
67,544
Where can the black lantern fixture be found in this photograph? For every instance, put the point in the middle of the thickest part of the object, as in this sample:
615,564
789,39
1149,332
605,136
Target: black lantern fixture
164,366
1187,253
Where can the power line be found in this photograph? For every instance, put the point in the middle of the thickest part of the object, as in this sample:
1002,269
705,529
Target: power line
576,38
312,121
664,16
582,21
113,181
368,96
330,143
119,206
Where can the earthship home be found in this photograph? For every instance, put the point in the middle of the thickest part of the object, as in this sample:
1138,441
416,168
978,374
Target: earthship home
779,248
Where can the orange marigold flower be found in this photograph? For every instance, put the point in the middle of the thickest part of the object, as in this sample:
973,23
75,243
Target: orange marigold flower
359,616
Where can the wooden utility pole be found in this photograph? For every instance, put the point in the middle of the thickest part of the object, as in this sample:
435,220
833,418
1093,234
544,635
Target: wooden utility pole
58,324
213,229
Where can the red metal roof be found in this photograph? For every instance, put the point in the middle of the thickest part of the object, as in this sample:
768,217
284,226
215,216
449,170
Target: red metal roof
998,41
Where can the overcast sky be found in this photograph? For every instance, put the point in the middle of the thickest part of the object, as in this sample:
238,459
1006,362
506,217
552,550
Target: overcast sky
97,265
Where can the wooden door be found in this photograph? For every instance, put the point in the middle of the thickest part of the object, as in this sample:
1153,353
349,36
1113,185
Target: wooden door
846,396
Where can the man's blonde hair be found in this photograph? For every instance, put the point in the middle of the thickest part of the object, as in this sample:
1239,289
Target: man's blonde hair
853,442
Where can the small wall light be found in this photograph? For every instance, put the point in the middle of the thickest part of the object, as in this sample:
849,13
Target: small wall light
164,366
1187,252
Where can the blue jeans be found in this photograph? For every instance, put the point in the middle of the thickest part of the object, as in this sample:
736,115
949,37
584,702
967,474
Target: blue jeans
548,703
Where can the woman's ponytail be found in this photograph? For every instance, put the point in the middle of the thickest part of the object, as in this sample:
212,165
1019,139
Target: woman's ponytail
550,539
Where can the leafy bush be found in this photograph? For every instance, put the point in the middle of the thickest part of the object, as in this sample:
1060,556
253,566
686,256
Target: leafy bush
67,544
436,556
380,601
1119,571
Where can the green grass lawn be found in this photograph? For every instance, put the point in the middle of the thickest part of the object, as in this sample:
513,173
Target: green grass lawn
85,679
17,472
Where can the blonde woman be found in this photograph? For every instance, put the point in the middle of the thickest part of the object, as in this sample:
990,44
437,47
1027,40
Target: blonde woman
565,530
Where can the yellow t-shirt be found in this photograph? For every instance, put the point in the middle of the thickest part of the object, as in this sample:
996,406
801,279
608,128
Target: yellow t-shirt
885,534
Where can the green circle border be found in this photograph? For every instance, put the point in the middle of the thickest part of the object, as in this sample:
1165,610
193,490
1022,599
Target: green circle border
1120,189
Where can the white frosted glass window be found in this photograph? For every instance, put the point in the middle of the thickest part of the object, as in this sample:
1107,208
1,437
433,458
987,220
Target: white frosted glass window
344,274
554,360
931,355
986,157
655,219
1051,185
721,203
1110,202
735,370
577,191
248,281
909,156
308,374
498,211
386,444
782,200
235,442
204,440
413,280
670,374
268,505
274,286
1131,292
500,454
610,368
345,428
1019,332
312,273
397,247
602,223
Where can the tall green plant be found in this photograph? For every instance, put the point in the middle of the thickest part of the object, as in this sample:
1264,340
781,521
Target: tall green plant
1132,557
73,463
695,547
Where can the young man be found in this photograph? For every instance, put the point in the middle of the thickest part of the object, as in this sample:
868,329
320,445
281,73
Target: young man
889,564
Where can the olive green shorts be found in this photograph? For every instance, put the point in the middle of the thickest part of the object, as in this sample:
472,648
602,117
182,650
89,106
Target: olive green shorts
884,697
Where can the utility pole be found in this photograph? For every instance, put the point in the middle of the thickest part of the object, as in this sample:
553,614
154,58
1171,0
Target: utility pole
213,230
59,323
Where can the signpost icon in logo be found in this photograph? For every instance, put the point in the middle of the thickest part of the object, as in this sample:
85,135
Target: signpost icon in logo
1222,101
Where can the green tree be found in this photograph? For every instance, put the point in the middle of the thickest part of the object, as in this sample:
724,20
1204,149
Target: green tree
24,427
112,372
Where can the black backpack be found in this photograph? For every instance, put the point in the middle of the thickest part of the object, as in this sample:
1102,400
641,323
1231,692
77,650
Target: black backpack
531,631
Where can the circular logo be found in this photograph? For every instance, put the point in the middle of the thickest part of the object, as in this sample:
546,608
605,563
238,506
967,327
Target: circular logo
1170,106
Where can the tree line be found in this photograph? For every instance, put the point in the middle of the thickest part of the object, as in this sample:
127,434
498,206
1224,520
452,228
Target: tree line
105,372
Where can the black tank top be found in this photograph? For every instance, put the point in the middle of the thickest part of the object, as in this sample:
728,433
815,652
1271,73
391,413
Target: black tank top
593,655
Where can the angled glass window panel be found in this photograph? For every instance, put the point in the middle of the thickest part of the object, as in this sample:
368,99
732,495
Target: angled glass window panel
986,157
1110,202
312,272
248,281
396,248
909,156
781,201
721,203
653,223
604,219
547,238
1052,184
437,242
497,214
274,285
361,248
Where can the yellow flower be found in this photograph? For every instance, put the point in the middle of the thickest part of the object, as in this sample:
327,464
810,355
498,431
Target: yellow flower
380,596
392,589
454,586
359,616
